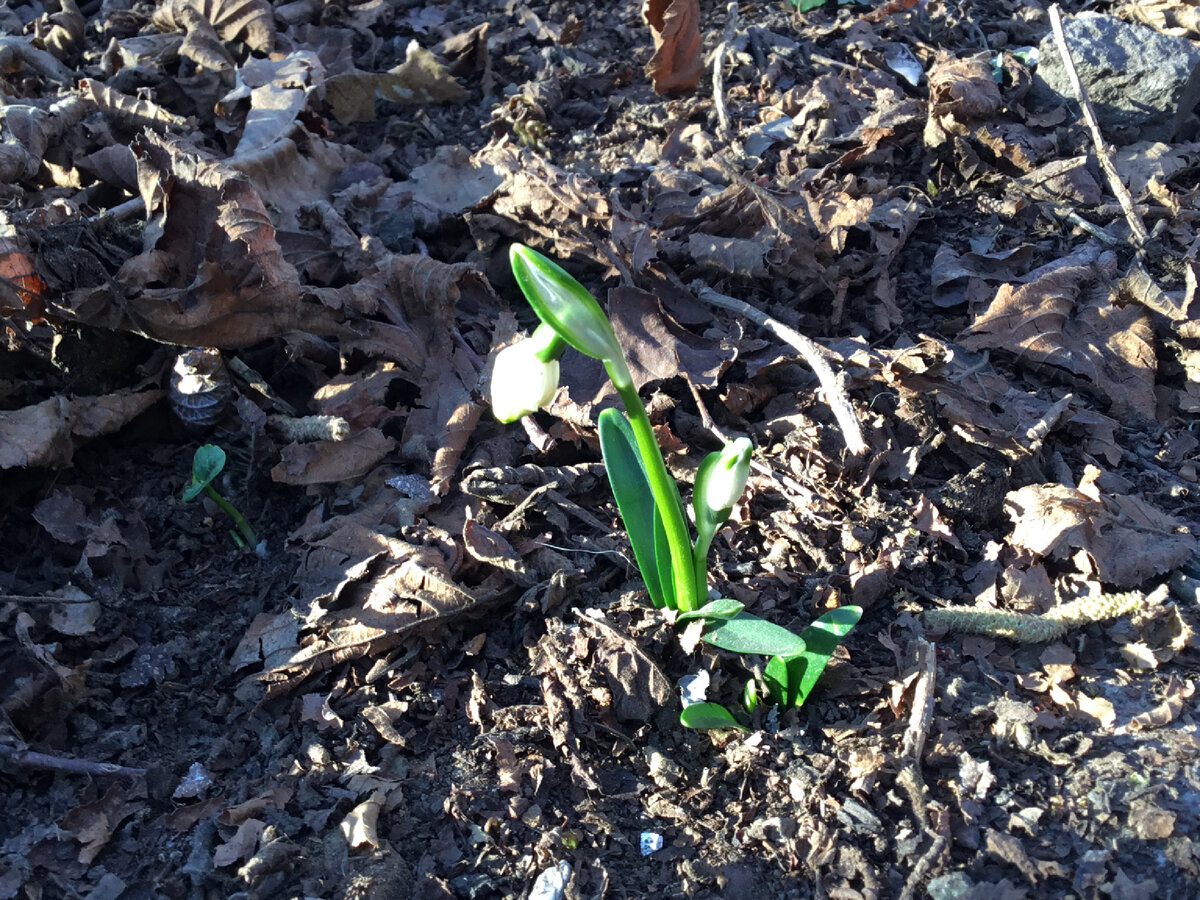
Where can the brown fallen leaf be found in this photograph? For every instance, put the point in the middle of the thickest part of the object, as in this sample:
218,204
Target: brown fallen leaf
324,462
1064,316
46,433
675,27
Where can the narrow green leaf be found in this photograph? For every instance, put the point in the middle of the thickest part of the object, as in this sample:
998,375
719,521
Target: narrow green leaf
207,463
704,716
820,641
662,555
634,499
745,633
721,608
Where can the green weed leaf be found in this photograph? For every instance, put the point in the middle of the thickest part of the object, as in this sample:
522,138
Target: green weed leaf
745,633
634,499
207,463
704,716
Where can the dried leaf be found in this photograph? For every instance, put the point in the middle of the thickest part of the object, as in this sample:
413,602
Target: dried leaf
1062,317
325,462
675,27
252,21
1126,539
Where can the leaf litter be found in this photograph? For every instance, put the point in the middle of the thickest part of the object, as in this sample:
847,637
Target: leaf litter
443,680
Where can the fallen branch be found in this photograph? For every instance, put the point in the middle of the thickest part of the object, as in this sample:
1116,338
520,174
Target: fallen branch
1136,226
813,354
34,760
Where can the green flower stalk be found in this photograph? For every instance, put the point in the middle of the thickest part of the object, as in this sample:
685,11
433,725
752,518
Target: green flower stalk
565,305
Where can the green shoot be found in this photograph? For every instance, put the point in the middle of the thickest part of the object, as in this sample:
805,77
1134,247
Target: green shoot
207,464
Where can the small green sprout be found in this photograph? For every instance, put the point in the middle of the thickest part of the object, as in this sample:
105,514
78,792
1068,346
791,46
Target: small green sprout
207,464
673,566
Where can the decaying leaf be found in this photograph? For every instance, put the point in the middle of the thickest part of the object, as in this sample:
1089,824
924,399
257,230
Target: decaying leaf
251,21
419,79
1061,316
1125,539
675,27
46,433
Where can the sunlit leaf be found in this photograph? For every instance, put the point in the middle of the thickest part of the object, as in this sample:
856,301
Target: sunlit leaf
721,608
705,716
820,640
745,633
634,499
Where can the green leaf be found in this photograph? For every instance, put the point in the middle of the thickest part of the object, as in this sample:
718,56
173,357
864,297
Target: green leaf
721,608
704,716
820,641
662,555
810,5
790,678
634,499
745,633
778,676
207,463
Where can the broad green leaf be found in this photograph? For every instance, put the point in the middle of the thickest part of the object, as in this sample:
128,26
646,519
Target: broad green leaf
820,640
745,633
634,499
809,5
709,715
721,608
207,463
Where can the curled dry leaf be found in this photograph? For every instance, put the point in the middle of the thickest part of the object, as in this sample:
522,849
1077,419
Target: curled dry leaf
46,433
324,462
419,79
252,21
1064,317
675,27
1125,538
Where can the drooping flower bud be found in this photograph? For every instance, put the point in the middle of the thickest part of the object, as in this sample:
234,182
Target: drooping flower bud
727,480
521,382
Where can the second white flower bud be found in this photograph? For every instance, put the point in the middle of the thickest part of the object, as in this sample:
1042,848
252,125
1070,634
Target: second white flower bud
521,382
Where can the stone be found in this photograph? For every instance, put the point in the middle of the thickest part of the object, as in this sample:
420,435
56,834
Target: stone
1142,84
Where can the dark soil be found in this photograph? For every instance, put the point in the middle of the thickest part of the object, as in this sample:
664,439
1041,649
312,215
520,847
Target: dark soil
376,707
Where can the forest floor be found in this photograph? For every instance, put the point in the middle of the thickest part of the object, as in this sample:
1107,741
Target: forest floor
439,676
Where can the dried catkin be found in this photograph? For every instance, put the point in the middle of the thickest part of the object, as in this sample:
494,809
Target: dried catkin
1037,629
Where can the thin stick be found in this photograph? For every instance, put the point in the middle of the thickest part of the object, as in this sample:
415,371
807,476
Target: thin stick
1136,226
718,75
813,354
32,759
923,697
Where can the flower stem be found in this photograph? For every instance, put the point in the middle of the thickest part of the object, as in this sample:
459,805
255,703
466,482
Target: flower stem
662,486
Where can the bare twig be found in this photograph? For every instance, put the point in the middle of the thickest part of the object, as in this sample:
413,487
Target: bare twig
718,76
1136,226
923,697
813,354
34,760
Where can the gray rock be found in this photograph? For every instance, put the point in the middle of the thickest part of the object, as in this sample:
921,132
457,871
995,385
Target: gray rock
1142,84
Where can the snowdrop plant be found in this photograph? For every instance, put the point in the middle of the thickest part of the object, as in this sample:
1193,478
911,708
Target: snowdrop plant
674,567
